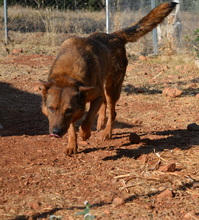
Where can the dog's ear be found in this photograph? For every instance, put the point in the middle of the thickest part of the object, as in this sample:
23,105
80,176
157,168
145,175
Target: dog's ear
46,84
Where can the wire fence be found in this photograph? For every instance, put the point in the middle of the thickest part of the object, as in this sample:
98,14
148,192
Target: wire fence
42,23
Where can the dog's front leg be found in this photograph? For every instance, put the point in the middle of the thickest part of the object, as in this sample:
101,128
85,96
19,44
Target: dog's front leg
85,130
72,140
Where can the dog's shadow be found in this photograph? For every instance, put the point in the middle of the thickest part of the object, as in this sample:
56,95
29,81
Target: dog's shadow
170,139
20,112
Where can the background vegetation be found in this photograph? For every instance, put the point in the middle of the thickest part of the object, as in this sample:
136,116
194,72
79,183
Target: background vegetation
41,23
94,5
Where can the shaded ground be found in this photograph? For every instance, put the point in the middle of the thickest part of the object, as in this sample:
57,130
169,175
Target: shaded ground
120,180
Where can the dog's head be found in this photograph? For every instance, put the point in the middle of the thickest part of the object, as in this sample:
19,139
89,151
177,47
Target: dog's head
62,105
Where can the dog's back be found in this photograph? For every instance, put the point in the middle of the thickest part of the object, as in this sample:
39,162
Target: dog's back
80,59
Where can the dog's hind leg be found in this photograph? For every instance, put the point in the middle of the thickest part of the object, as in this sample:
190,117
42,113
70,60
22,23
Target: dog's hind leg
102,116
112,96
85,130
107,132
113,91
72,140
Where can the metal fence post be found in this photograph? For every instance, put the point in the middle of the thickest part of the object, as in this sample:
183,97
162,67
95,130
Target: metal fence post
155,42
6,21
107,17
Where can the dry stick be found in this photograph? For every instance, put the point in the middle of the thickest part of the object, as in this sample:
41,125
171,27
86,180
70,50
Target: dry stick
131,185
158,155
122,176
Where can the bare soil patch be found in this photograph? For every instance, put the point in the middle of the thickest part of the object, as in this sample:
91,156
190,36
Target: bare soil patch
155,178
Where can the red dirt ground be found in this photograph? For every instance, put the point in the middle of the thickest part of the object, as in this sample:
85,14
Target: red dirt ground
157,178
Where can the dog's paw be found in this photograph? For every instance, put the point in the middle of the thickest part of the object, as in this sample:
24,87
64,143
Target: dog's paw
84,135
106,135
70,150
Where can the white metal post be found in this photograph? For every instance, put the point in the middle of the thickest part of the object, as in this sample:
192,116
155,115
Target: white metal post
6,21
155,42
107,17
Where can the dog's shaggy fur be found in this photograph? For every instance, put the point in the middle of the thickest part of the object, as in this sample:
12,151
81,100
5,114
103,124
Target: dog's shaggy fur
91,69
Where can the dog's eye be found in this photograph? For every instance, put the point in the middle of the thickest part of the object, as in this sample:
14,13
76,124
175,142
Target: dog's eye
68,111
51,109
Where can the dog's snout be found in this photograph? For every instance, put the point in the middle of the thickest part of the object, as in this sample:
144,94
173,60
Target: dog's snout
56,131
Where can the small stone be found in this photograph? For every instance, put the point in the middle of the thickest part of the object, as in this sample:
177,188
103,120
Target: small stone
168,168
34,205
17,51
165,194
118,201
193,127
142,58
171,92
107,211
134,138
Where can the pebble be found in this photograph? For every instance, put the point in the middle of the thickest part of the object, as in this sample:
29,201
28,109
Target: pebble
171,92
34,205
168,168
118,201
134,138
193,127
165,194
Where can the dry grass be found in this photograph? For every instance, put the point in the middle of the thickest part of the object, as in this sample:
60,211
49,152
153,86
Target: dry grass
54,21
39,30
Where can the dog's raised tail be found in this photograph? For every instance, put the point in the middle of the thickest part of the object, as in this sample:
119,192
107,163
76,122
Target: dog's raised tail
147,23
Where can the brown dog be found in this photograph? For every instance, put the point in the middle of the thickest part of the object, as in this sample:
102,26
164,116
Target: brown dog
91,70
